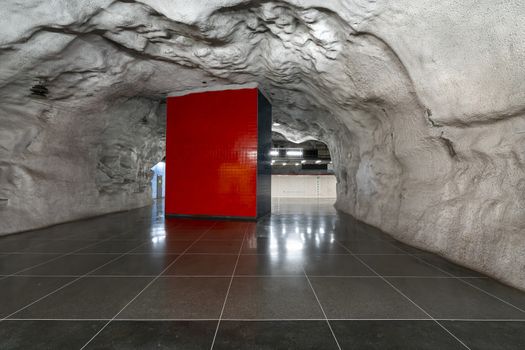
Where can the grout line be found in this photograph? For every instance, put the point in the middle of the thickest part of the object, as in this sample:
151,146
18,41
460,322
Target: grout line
380,254
238,276
268,319
490,294
132,253
462,280
64,286
356,255
146,287
321,307
229,287
394,276
47,239
53,259
32,253
404,295
86,276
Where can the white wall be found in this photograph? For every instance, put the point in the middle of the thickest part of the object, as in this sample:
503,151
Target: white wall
158,170
303,186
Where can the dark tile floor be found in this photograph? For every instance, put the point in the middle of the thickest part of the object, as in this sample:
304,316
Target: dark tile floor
304,278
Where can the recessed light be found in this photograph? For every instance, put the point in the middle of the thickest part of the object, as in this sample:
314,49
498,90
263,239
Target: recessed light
294,153
276,124
317,162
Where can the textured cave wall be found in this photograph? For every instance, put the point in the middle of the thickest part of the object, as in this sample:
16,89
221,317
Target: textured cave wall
88,148
422,104
60,165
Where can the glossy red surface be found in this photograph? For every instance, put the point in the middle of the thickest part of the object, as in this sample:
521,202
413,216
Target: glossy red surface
211,154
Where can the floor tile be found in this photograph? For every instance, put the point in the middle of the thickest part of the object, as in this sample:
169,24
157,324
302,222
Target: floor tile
400,265
71,265
291,245
370,247
231,226
47,335
335,265
269,292
274,335
271,298
486,335
186,235
323,247
133,235
43,234
215,247
262,229
17,292
274,264
180,298
393,335
137,265
507,293
450,298
13,263
182,233
227,235
448,266
94,235
11,246
113,246
127,335
87,298
407,248
356,231
262,245
362,298
62,246
203,265
162,245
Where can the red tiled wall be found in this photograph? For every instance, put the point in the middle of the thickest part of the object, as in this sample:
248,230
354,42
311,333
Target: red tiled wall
211,154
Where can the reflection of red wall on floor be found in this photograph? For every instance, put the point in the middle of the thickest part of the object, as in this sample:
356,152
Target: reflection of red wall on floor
211,153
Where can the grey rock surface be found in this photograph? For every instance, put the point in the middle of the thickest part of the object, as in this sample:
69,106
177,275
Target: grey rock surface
422,104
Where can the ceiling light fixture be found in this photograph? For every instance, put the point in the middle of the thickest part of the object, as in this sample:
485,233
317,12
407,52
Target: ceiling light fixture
294,153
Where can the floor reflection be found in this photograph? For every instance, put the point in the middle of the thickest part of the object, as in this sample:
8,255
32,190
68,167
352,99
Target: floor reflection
306,274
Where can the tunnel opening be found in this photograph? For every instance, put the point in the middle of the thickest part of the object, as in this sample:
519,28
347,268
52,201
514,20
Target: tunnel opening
158,180
302,173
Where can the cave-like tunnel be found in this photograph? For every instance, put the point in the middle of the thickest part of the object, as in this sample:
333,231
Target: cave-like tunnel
408,234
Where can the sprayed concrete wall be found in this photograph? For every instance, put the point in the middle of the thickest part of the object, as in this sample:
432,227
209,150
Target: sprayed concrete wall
421,104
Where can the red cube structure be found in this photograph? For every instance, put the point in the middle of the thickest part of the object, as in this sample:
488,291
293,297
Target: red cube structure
217,154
